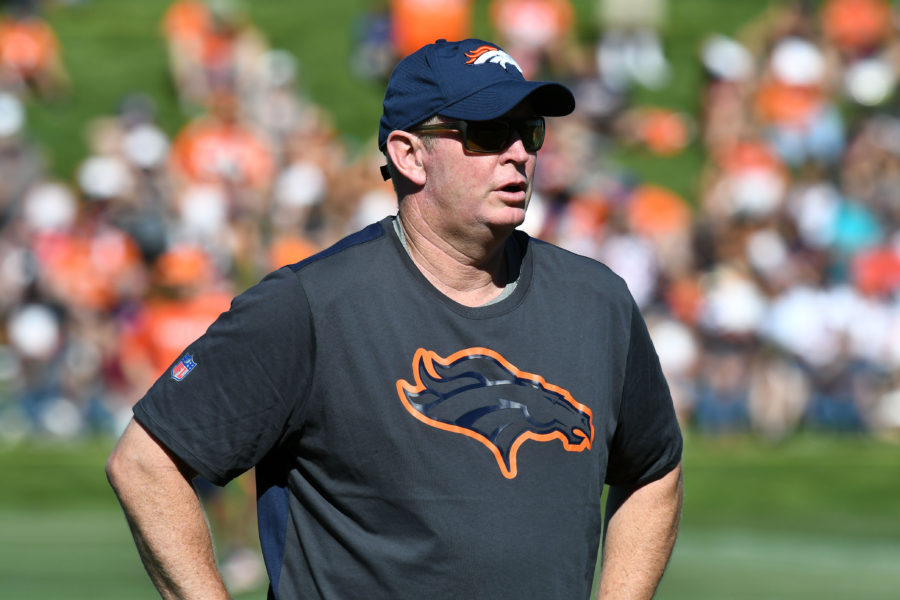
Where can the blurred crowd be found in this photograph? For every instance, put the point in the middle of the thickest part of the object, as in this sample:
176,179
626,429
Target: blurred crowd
771,293
108,275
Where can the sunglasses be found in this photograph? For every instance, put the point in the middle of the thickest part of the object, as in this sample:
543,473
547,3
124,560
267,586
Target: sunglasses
490,137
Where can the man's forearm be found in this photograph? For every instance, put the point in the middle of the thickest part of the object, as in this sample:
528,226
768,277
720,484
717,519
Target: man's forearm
165,517
641,527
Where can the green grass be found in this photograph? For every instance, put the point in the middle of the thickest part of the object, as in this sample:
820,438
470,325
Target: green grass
69,554
749,564
54,476
62,533
827,485
815,517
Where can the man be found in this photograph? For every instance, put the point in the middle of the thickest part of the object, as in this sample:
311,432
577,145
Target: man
432,405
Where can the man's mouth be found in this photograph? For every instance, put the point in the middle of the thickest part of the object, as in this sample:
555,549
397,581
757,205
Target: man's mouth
514,188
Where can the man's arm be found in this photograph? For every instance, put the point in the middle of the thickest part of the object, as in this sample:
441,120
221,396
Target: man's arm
641,527
165,516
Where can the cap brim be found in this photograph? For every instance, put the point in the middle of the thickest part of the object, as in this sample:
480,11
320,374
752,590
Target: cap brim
549,99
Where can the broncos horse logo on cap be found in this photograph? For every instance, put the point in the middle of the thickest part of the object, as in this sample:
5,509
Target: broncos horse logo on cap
478,393
490,54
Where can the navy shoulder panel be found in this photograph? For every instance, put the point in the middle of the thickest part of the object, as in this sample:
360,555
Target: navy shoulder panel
370,233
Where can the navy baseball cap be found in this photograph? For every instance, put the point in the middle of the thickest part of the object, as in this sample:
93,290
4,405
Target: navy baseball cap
470,80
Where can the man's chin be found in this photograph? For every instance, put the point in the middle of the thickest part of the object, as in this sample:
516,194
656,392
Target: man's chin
509,218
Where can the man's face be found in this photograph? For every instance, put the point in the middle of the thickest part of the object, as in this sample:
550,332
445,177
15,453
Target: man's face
470,192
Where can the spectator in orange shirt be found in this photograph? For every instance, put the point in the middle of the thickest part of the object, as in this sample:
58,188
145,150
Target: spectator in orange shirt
184,25
220,148
30,54
856,27
211,47
415,23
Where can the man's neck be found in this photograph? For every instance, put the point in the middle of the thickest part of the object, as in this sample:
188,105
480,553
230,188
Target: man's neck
471,273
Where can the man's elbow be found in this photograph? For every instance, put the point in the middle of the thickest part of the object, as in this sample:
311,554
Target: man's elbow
112,469
676,496
120,467
676,485
137,460
668,491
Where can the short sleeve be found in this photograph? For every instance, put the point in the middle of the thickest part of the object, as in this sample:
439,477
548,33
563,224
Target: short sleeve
238,390
647,442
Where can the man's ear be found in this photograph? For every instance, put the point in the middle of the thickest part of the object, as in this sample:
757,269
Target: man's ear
405,150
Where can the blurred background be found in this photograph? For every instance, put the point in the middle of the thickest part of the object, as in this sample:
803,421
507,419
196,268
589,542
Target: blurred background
738,163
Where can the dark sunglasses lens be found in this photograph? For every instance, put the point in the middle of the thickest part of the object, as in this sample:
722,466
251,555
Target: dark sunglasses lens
532,132
494,136
486,136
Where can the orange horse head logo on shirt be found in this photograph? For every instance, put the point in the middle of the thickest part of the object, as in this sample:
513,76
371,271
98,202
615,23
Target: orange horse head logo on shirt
479,394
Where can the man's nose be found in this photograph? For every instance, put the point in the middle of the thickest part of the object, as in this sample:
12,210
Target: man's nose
516,148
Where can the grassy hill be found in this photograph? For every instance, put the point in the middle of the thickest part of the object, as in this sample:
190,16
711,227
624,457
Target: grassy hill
114,48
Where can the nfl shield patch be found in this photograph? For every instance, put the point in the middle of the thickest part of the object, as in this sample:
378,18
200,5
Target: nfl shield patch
183,367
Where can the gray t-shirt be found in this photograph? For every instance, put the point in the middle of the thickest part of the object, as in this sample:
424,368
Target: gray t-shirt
408,446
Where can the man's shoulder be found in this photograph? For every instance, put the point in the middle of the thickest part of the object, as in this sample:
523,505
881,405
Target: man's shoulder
357,264
321,270
345,248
